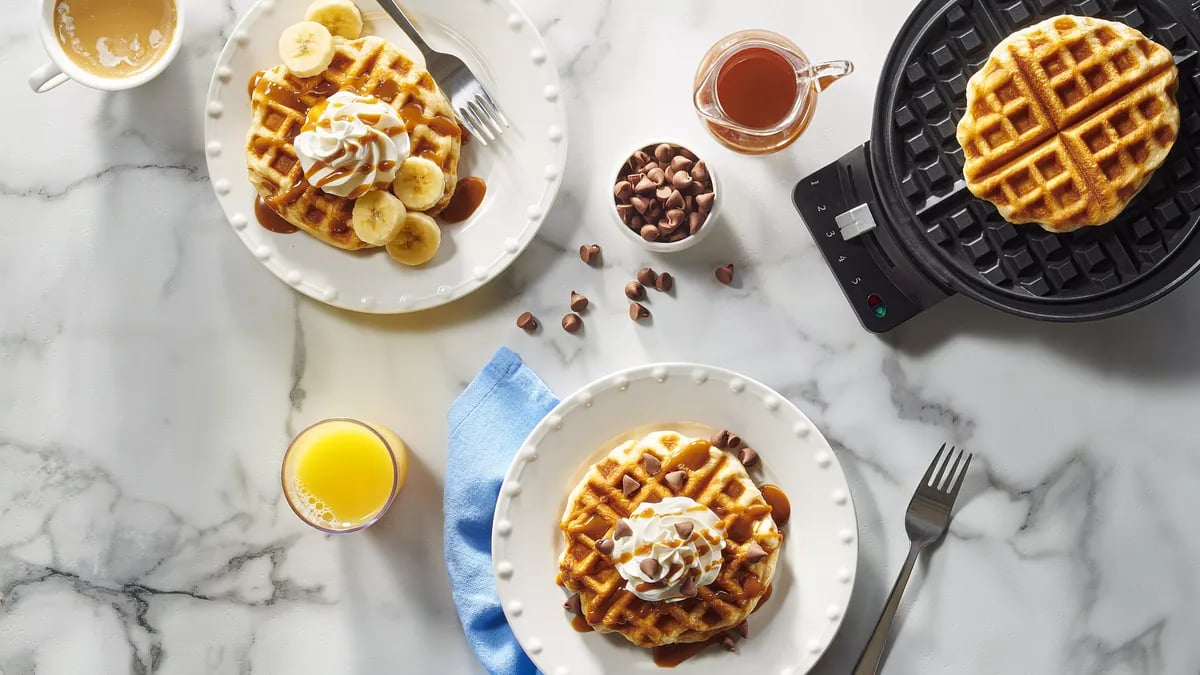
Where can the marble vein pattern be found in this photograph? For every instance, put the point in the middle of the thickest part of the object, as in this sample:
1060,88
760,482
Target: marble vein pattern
151,373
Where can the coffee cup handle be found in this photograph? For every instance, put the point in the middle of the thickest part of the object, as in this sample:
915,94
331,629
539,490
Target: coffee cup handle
46,77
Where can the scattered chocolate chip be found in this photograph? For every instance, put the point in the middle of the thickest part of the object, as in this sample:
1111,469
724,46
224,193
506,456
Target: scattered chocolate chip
650,568
589,252
665,282
742,629
652,464
649,233
720,439
578,302
622,529
634,290
728,644
734,441
623,190
647,276
689,587
755,552
725,273
684,529
676,479
527,321
605,546
629,485
572,604
748,457
572,323
638,311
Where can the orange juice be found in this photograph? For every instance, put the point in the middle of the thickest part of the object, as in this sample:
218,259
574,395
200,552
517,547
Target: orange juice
340,475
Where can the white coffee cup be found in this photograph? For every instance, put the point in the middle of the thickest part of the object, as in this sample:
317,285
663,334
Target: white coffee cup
61,68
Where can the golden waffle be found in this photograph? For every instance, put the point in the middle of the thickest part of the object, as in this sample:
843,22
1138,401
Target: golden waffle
1067,121
716,480
280,101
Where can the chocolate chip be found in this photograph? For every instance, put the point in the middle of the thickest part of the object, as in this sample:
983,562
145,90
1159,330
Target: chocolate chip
638,311
572,323
665,282
652,464
748,456
697,187
678,234
666,229
623,190
689,588
676,479
704,202
647,276
635,178
622,529
657,175
636,222
675,217
675,201
650,568
654,212
728,644
641,158
734,441
649,232
720,439
527,321
573,605
605,546
663,152
634,290
684,529
681,163
695,221
589,252
742,629
725,273
640,204
629,485
700,171
578,302
645,186
681,180
755,552
625,212
664,192
650,166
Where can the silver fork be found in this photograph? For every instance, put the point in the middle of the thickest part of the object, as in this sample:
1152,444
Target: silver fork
473,105
927,520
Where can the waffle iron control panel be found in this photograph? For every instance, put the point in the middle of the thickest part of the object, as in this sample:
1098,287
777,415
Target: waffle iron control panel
837,206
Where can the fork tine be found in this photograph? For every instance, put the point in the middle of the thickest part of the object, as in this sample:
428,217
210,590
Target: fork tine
485,117
463,121
493,108
937,480
945,487
483,130
929,472
958,483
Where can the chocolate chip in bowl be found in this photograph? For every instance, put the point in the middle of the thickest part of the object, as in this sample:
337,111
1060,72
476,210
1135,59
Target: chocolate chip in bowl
665,197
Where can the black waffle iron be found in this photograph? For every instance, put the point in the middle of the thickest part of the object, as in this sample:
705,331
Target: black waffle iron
901,232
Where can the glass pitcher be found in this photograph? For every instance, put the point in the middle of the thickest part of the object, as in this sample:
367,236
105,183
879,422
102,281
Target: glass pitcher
756,90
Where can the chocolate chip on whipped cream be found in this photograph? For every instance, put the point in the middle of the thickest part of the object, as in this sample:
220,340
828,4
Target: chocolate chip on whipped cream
622,529
351,145
685,528
650,567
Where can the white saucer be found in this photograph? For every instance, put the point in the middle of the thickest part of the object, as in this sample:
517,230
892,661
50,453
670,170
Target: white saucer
816,573
523,170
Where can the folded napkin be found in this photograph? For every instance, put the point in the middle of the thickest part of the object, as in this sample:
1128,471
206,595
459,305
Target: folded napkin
487,424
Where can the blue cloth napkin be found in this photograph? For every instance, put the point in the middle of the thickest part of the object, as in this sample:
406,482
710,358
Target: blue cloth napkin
487,423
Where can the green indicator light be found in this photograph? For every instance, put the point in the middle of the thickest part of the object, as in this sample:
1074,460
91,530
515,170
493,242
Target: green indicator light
881,311
877,306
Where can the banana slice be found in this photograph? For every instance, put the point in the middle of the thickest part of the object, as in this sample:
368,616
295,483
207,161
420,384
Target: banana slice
306,48
418,241
377,217
419,183
341,17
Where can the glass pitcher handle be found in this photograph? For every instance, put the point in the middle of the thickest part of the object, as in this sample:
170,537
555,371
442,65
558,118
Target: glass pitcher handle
827,72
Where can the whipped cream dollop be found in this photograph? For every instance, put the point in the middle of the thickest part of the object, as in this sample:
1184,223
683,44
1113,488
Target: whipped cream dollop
351,144
669,549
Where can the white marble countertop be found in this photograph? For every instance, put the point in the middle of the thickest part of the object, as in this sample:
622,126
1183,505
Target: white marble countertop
151,373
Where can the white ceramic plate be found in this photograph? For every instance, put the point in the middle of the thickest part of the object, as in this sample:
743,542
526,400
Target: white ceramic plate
523,170
815,577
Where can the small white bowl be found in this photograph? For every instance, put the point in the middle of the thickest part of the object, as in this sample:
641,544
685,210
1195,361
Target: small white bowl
663,246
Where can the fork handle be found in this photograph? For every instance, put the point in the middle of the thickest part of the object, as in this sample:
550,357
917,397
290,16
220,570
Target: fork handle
409,29
872,656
